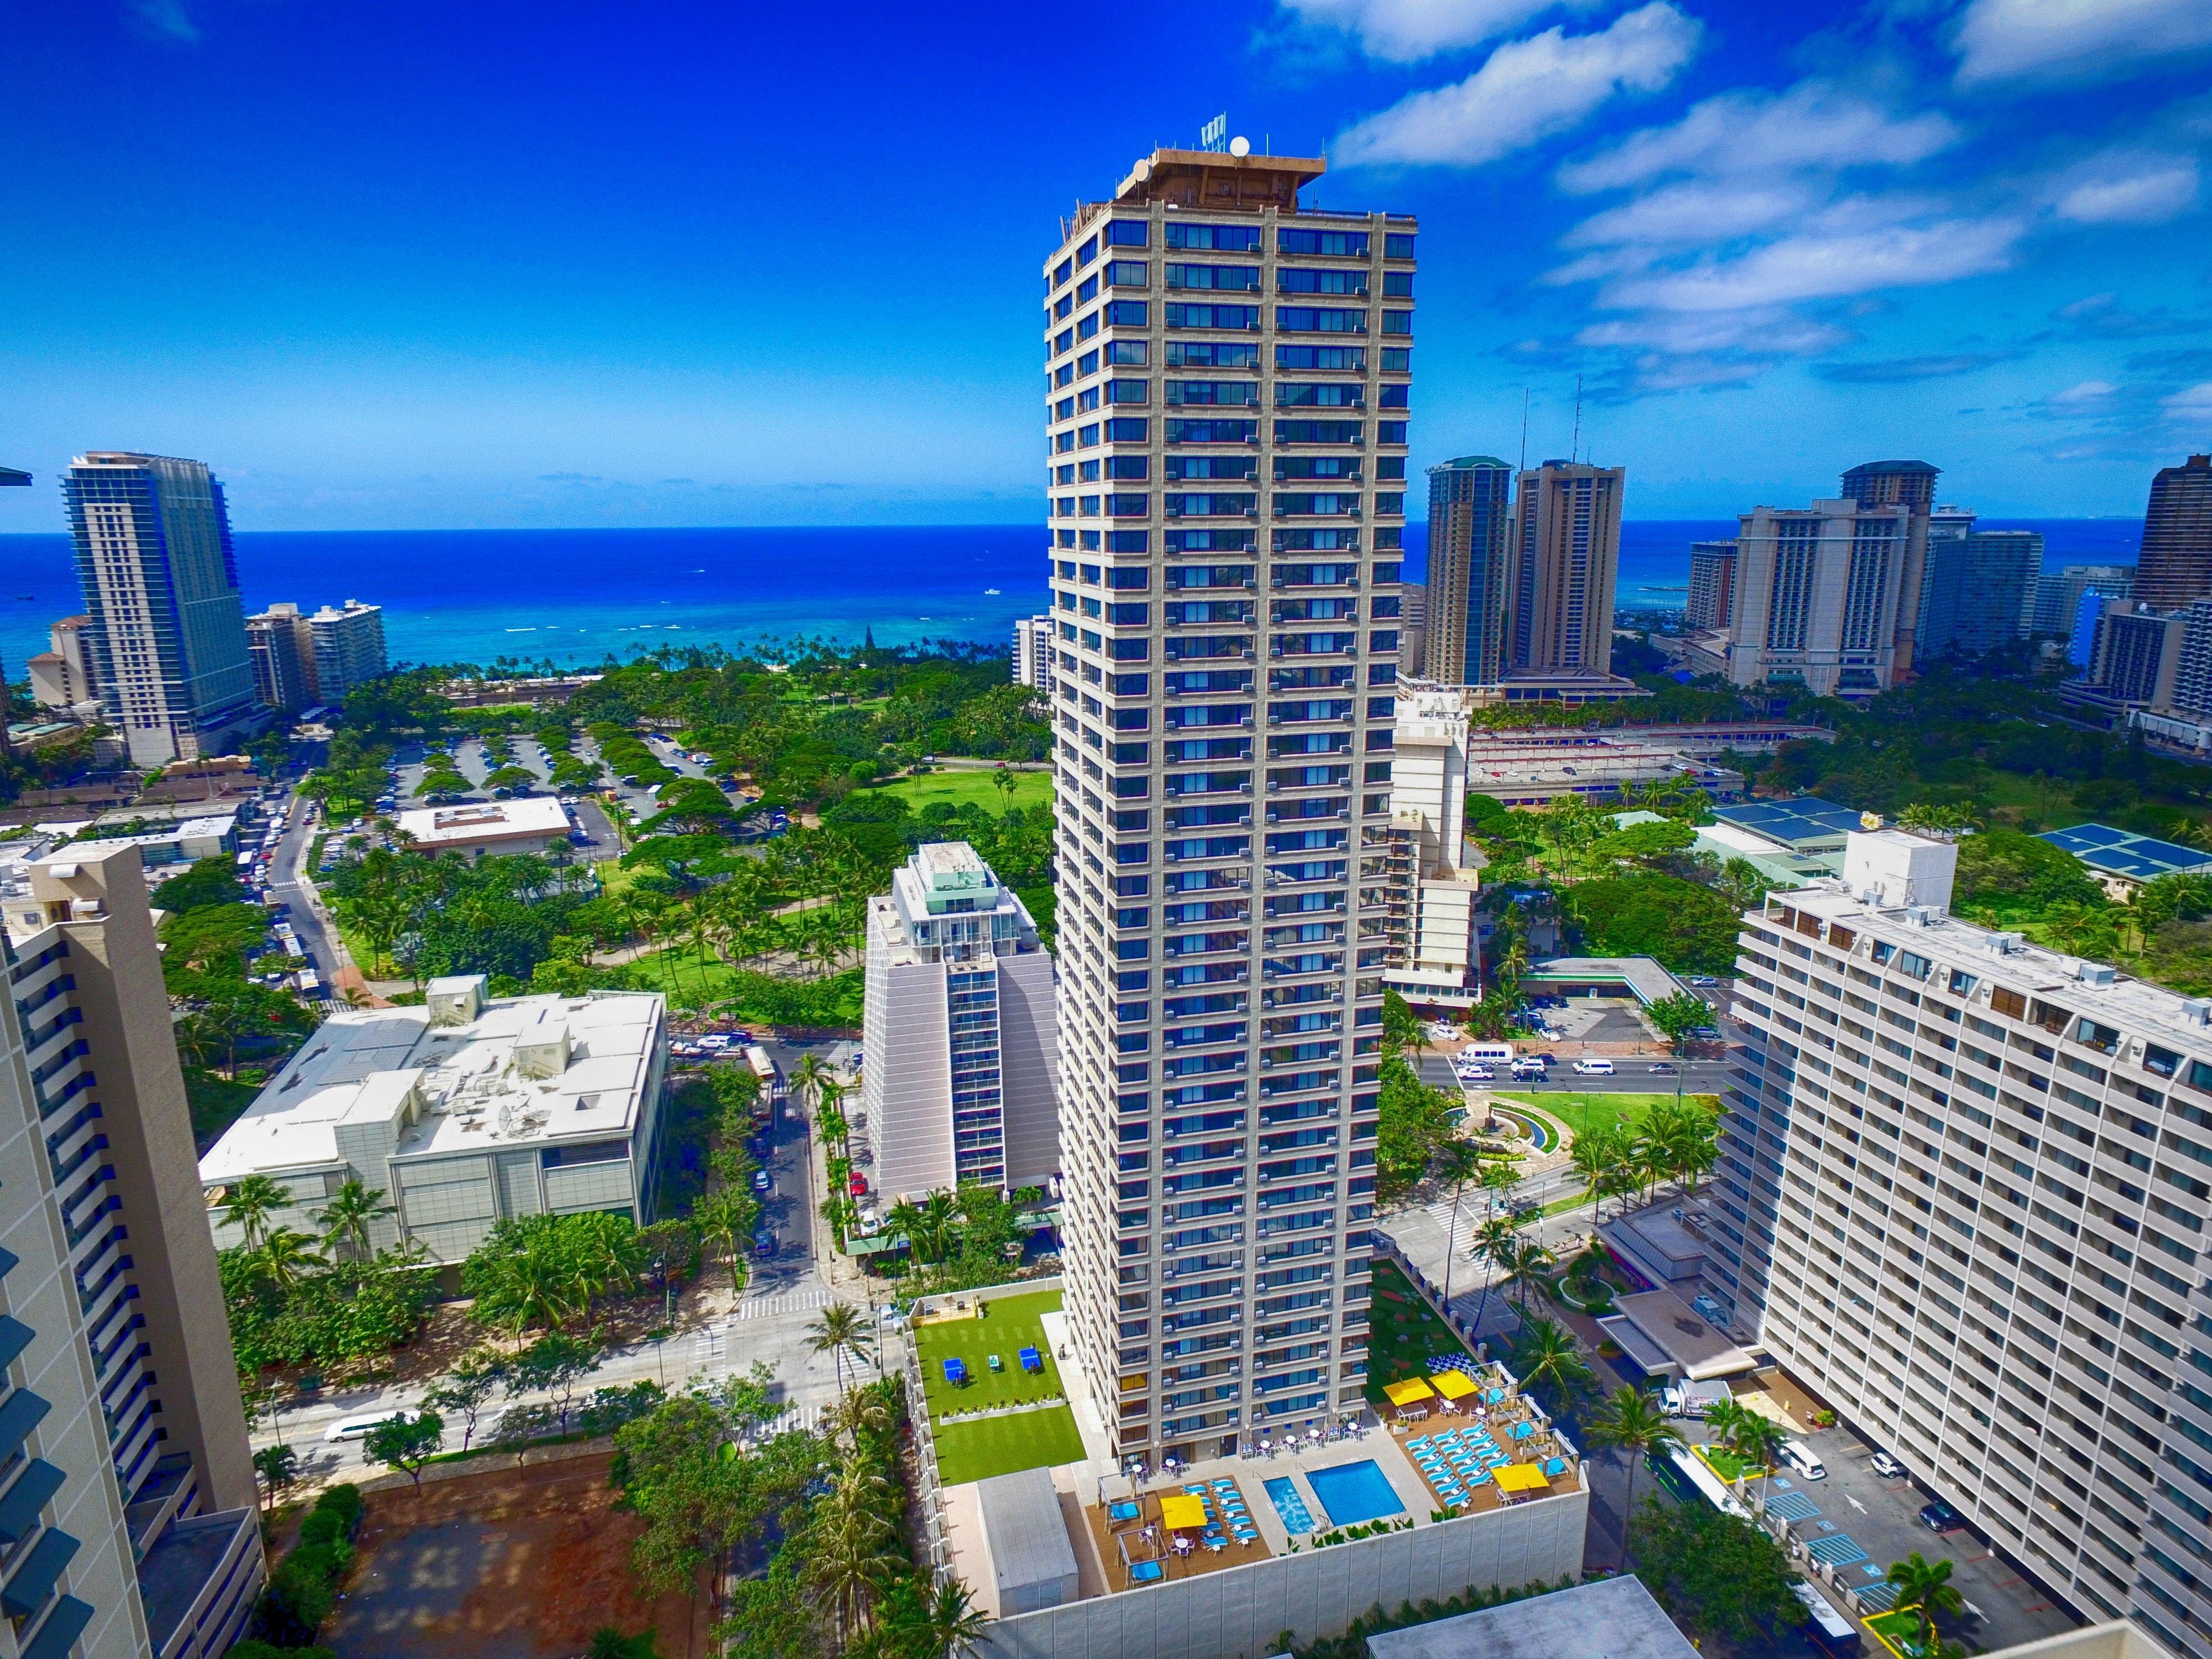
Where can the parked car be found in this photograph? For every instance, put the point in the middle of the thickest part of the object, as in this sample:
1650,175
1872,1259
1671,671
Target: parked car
857,1184
1885,1466
1939,1517
761,1180
764,1243
1799,1456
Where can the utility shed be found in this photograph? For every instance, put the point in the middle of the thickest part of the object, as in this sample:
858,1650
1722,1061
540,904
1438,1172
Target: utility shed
1612,1618
1031,1559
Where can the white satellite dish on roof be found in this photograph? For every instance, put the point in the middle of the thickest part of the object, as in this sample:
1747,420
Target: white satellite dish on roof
1141,172
1240,146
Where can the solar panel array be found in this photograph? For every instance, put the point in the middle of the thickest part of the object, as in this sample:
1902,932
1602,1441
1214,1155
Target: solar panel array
2123,853
1794,822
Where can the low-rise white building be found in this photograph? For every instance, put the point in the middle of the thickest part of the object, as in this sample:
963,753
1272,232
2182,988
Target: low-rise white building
962,1078
182,843
1437,873
465,1112
530,823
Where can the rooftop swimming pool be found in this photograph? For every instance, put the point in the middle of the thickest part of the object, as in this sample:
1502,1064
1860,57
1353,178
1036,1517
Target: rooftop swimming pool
1283,1493
1352,1492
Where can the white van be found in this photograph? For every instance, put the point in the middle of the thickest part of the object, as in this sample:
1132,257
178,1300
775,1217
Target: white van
358,1428
1799,1456
1493,1054
1595,1068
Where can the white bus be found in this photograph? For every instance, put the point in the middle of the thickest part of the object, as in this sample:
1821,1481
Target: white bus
1707,1485
774,1091
1828,1631
1491,1054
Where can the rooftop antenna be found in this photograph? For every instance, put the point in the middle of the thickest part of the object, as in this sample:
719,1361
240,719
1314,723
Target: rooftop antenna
1524,429
1575,447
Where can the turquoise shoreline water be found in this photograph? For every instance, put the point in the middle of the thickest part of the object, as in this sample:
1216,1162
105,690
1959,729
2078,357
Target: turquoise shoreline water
575,596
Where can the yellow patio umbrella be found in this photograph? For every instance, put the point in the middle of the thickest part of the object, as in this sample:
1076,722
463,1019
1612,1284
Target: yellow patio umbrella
1410,1392
1454,1385
1521,1477
1180,1510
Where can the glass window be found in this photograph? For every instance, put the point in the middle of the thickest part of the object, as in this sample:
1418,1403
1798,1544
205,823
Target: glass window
1064,409
1397,245
1397,360
1087,400
1397,322
1292,280
1128,392
1391,397
1135,232
1398,284
1088,436
1066,475
1125,430
1086,290
1090,472
1317,432
1213,353
1065,376
1127,273
1220,239
1062,341
1335,244
1062,271
1126,314
1129,541
1352,358
1389,432
1390,466
1231,278
1088,252
1064,307
1088,364
1244,318
1063,442
1086,325
1126,351
1128,466
1319,319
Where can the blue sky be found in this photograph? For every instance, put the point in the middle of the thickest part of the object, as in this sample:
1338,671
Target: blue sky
387,263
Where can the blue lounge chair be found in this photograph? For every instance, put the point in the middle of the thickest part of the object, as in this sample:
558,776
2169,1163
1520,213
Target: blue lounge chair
1555,1465
1480,1478
1147,1572
1126,1512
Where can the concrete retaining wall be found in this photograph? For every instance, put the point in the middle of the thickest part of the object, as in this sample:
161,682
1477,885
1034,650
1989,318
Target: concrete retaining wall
1238,1613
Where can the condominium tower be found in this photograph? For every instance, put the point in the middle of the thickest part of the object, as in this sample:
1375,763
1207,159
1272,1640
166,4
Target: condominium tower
127,1504
1032,653
349,647
160,583
1227,383
280,643
2176,565
62,675
1566,551
1470,499
1712,584
961,1084
1979,591
1962,1196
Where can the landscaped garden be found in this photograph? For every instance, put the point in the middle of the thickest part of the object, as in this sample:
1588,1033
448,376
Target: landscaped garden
976,1448
1601,1113
1403,1332
1005,1445
973,786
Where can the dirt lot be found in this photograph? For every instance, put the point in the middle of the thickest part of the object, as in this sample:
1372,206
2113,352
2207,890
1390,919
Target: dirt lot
505,1564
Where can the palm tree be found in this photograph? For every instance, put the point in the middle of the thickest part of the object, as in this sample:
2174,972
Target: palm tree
940,1212
287,1257
808,1076
1455,1161
1595,1157
1495,1240
250,1202
906,1217
1526,1269
850,1552
1924,1588
1631,1424
949,1626
1758,1441
1547,1352
841,1327
347,1220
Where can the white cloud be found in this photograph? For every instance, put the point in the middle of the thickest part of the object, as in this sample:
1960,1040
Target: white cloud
1692,212
2076,41
1767,331
1527,91
2194,404
2128,188
1829,263
1813,124
1406,31
164,19
2083,395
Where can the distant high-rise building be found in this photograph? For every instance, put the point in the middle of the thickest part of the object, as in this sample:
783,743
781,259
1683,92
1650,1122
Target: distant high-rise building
1414,632
281,644
2058,594
2176,566
1910,485
2192,691
1712,584
1032,658
127,1500
2135,653
1818,594
1469,504
961,1083
62,676
1228,657
160,582
1980,591
1566,557
1948,521
348,648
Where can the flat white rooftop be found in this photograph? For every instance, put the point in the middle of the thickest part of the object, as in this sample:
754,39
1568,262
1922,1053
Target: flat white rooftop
465,825
357,1068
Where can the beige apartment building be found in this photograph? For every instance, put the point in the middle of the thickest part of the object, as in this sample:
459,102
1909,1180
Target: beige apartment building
128,1519
1962,1196
1227,379
1566,559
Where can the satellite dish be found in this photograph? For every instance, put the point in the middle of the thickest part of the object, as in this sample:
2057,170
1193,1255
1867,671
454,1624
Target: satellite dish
1142,171
1240,146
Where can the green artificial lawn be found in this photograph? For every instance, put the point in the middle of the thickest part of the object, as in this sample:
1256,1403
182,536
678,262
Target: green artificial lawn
1402,1332
1901,1632
1015,1322
1727,1465
1585,1114
1006,1445
967,788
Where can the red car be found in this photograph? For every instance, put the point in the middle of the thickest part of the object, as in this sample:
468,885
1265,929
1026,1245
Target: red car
858,1186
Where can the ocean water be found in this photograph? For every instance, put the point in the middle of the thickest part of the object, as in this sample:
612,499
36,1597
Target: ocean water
570,597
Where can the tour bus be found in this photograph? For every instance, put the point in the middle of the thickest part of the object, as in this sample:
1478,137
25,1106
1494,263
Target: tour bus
1489,1053
1828,1631
774,1091
1685,1474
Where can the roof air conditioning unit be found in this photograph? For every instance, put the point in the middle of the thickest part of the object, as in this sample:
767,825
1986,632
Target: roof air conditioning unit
2095,973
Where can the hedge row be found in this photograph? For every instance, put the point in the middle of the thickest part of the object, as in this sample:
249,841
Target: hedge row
304,1586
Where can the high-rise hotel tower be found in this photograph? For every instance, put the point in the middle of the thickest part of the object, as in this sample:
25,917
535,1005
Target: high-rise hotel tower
1226,387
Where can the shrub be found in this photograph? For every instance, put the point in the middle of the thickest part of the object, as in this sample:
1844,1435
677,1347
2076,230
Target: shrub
304,1586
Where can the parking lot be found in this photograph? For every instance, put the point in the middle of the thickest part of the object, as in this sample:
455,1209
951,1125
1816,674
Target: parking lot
1861,1513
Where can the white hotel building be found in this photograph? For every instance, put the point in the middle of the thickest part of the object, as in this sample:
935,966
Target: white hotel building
1227,377
1967,1181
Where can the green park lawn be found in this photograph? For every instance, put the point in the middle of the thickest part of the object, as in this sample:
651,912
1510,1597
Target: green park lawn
1587,1114
1402,1332
1013,1324
975,788
1006,1445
